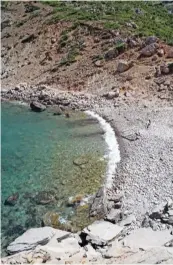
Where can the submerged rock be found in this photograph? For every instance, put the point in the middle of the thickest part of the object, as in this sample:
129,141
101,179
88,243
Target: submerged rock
79,161
44,197
11,200
54,220
30,239
36,106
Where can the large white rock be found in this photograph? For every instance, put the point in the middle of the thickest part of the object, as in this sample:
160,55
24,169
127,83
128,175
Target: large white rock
147,238
102,232
30,239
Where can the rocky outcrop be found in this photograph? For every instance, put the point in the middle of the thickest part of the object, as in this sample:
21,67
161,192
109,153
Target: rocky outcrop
101,244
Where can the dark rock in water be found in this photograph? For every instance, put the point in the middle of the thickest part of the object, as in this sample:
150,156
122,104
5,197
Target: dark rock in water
36,106
44,197
11,200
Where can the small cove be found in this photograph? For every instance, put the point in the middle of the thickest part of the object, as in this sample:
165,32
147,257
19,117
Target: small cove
38,153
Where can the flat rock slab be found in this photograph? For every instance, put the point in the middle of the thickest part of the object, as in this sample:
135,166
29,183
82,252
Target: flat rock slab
147,238
30,239
158,255
102,232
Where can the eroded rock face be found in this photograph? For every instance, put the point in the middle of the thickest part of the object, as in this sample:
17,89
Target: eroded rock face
30,239
37,107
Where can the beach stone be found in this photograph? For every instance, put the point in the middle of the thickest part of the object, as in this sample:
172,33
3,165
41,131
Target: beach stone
36,106
101,232
146,237
44,197
30,239
11,200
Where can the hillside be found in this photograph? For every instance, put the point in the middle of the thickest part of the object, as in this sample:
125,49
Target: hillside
46,42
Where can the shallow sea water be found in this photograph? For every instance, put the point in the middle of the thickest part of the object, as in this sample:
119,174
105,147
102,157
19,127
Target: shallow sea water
38,150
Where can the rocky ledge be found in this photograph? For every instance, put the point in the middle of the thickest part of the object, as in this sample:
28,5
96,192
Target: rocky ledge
100,242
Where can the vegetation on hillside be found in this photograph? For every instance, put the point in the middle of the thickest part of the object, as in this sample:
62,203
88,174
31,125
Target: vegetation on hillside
150,18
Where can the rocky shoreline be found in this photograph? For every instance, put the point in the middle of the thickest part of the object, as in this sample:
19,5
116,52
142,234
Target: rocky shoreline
138,186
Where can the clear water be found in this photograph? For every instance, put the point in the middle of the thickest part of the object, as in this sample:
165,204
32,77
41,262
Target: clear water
38,150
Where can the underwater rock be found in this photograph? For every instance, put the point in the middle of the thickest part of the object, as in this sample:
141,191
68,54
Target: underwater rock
54,220
74,201
80,161
44,197
11,200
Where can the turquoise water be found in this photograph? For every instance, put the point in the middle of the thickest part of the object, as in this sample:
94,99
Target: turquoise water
38,150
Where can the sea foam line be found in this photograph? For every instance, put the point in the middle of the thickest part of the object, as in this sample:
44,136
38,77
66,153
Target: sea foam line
113,147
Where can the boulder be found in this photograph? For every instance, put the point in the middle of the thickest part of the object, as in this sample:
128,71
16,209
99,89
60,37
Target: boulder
123,66
11,200
36,106
30,239
101,232
149,50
